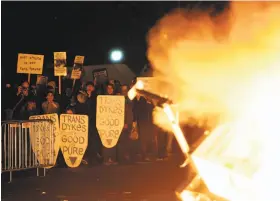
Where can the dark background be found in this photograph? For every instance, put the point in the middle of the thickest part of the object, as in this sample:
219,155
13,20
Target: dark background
90,29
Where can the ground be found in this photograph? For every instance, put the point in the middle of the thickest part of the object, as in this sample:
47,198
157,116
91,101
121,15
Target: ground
153,181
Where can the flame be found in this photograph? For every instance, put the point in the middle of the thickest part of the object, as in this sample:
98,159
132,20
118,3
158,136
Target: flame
227,68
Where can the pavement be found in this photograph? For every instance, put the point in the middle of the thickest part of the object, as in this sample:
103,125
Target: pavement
151,181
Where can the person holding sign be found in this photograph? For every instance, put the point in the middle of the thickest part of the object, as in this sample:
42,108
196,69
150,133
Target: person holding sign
110,154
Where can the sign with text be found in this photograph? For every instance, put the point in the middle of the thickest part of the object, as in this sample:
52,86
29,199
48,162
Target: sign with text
45,138
74,138
59,64
110,119
100,75
79,59
30,63
78,67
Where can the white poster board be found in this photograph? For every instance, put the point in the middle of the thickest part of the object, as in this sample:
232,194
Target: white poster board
43,144
74,138
110,119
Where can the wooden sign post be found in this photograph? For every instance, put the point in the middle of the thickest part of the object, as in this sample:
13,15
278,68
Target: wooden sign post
44,146
110,119
74,138
59,67
30,64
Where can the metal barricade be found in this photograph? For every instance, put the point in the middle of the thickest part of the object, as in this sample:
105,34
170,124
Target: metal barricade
27,144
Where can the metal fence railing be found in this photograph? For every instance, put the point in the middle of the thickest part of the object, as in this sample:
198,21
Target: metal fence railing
27,144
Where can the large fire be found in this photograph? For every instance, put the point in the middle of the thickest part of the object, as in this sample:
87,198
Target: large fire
227,65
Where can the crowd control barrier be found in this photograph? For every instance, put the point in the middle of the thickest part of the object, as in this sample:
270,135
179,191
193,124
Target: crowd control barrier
27,144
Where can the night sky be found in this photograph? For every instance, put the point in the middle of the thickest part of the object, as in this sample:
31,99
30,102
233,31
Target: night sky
79,28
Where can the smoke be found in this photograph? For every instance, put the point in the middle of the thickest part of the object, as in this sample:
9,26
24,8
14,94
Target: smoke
212,63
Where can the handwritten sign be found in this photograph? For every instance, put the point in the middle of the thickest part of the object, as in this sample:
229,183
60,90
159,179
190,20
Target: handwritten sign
30,63
110,119
45,138
100,75
59,64
74,138
76,74
79,59
78,66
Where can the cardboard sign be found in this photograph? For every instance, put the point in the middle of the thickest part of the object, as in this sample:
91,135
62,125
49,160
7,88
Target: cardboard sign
76,74
59,64
110,119
78,67
30,63
79,60
45,147
74,138
100,75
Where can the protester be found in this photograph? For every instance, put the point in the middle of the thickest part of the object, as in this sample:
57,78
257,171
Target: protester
49,106
124,149
93,152
29,110
81,106
110,154
141,118
83,100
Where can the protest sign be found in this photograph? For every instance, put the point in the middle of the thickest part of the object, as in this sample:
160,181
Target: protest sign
74,138
78,67
110,119
30,63
79,60
59,64
59,67
45,138
100,75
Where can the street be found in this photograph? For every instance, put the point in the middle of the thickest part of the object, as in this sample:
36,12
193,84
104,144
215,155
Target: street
152,181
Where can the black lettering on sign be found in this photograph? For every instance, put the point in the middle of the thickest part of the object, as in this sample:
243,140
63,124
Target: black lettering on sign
74,127
110,134
72,150
110,122
73,139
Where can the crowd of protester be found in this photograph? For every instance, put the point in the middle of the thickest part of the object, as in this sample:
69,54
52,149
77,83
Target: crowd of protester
152,142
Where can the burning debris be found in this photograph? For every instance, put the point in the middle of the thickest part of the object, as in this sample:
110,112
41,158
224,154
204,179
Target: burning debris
236,78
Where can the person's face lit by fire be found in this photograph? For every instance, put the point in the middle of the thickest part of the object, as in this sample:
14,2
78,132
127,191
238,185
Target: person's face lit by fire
90,88
110,89
69,111
124,90
50,97
25,85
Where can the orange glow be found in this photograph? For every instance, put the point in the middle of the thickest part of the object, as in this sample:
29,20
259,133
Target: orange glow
226,69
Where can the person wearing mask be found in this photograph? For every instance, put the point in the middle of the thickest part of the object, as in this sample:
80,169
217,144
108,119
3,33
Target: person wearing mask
141,119
124,143
50,106
110,154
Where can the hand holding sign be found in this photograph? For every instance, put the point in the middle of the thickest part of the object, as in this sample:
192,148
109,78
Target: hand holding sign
110,119
74,138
